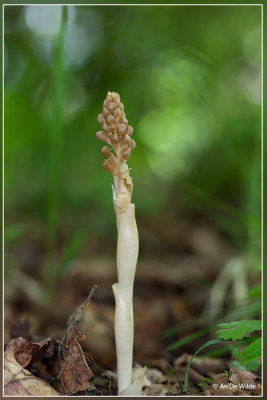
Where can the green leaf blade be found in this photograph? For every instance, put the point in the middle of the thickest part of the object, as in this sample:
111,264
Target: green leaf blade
252,351
237,330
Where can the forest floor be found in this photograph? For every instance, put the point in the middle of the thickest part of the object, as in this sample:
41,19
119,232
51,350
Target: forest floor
67,347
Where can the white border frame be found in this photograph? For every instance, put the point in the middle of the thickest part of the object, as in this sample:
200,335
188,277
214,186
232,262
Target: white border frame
135,5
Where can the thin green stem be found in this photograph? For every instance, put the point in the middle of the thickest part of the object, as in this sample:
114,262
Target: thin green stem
55,163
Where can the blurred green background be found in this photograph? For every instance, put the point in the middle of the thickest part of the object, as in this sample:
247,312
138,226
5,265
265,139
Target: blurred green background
189,78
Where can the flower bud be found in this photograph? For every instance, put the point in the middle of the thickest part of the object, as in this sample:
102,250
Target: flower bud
111,105
106,152
128,183
110,165
105,112
126,154
121,129
109,97
130,130
101,118
132,144
110,119
106,128
101,136
115,138
126,139
116,98
117,114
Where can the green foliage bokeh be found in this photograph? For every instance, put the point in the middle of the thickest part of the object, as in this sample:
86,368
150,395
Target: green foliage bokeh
189,78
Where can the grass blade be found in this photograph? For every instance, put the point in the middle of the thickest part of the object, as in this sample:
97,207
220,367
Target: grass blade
210,343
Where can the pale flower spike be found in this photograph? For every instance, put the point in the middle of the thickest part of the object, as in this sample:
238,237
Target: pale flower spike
116,133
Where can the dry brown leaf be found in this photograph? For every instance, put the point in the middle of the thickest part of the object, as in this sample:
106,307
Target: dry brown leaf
154,375
221,379
246,380
210,391
241,377
17,380
19,350
223,386
24,352
75,372
155,390
43,348
74,333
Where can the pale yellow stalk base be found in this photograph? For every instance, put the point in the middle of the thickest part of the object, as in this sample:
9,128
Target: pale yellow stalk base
127,253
